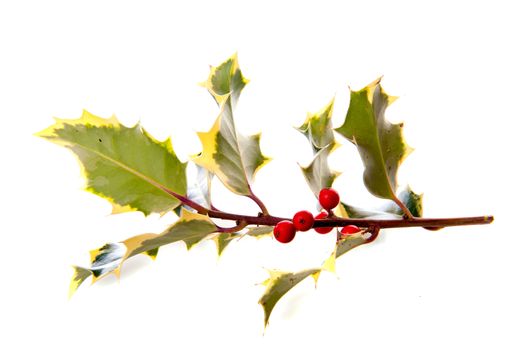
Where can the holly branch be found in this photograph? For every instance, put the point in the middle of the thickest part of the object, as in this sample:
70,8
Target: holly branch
335,221
136,172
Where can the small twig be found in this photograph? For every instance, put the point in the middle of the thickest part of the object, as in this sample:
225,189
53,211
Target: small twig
260,204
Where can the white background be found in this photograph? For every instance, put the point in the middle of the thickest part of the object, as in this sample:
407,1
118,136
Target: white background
459,69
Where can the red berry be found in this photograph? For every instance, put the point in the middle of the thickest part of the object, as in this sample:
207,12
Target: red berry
284,231
329,198
303,220
350,229
322,230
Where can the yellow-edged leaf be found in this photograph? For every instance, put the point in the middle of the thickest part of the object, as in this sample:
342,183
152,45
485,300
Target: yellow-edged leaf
278,284
127,166
379,142
232,157
318,130
190,228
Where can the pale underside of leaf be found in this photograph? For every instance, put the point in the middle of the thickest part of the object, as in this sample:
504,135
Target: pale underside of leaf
232,157
125,165
317,128
379,142
410,199
259,231
318,174
278,284
198,190
191,229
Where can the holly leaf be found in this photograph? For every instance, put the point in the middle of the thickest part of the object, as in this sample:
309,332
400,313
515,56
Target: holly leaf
278,284
232,157
190,228
318,130
127,166
379,142
410,199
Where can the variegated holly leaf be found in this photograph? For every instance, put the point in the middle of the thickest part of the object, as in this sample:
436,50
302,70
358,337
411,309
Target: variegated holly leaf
278,284
127,166
318,130
226,81
190,228
379,142
232,157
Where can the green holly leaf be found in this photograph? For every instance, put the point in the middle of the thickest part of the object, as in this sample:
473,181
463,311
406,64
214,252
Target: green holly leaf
278,284
125,165
232,157
379,142
191,228
318,130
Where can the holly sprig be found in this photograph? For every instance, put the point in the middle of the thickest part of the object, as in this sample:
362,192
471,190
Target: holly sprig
136,172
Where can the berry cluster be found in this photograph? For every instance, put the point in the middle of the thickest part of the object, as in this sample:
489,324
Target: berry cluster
285,230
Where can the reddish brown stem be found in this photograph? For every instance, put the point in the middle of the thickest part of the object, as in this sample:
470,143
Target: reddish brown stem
268,220
260,204
233,229
340,222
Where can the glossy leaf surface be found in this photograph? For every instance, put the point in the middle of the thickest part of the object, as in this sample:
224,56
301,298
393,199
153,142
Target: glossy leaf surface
379,142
